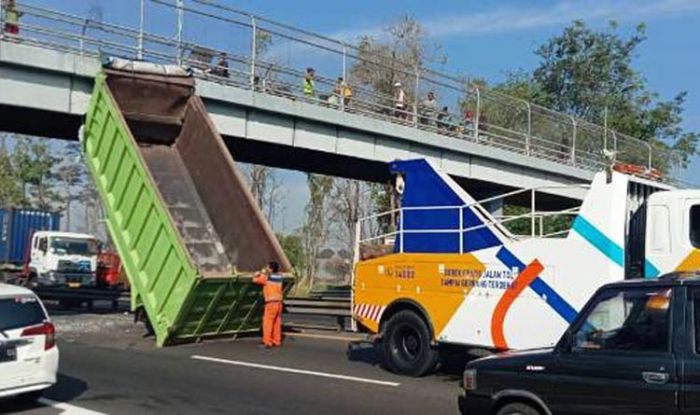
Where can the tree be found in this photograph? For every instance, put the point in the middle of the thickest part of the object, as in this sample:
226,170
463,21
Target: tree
314,229
590,74
349,202
93,209
72,174
10,193
266,188
34,165
292,245
404,51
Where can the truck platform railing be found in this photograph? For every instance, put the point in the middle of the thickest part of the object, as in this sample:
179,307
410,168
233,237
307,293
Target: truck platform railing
369,231
268,57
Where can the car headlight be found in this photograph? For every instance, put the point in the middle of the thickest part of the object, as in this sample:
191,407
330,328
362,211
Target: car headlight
469,380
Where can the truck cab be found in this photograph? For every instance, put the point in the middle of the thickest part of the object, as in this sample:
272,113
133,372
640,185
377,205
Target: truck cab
672,240
633,349
62,259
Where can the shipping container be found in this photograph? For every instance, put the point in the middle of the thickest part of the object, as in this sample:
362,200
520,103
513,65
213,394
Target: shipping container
187,229
16,229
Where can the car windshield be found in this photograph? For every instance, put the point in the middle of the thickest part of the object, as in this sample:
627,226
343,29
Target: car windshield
695,226
20,311
73,246
627,319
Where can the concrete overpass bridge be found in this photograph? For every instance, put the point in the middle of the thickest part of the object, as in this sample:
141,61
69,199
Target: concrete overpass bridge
46,77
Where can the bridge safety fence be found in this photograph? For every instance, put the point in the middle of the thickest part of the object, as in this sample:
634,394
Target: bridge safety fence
230,46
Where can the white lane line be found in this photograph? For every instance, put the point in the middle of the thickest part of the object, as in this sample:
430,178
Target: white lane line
296,371
68,409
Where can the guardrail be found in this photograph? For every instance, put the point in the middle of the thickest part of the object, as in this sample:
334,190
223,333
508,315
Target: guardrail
260,54
327,307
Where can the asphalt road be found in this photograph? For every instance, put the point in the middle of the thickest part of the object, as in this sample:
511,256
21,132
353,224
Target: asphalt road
106,366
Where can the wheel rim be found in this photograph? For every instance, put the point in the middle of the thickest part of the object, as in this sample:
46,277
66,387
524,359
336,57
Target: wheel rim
407,343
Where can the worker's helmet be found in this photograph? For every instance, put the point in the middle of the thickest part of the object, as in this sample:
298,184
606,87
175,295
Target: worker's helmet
397,84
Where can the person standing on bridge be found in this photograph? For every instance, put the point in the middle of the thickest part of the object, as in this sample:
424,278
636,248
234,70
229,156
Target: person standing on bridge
272,293
309,86
12,16
399,101
346,90
429,110
221,68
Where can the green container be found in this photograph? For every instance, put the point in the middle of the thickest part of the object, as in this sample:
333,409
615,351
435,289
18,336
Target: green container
185,225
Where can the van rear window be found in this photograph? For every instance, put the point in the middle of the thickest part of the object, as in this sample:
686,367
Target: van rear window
21,311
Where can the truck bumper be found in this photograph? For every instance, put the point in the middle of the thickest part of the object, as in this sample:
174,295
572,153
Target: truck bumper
83,293
474,404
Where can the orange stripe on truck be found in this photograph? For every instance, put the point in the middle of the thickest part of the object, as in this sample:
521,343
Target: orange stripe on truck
499,314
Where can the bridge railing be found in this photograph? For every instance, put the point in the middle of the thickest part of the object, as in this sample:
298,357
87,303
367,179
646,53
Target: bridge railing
271,57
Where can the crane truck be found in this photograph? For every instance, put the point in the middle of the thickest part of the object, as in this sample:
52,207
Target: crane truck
450,272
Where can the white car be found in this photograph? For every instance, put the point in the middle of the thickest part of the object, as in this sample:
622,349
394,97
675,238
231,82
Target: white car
28,351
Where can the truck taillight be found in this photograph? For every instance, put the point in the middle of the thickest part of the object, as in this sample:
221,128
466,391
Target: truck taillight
46,329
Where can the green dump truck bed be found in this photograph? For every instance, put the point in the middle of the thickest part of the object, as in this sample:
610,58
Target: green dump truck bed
188,231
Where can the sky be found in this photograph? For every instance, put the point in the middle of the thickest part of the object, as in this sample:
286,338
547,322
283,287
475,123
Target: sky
481,38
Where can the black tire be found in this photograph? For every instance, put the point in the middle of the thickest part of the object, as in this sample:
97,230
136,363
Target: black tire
518,408
407,345
28,398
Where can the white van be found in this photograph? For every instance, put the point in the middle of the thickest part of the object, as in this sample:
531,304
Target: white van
28,352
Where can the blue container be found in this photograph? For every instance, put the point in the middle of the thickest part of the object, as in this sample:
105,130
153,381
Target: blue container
17,227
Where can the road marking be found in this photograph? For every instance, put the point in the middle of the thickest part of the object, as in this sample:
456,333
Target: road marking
68,409
297,371
325,336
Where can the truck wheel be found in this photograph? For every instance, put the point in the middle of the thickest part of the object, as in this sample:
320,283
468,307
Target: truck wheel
406,345
518,409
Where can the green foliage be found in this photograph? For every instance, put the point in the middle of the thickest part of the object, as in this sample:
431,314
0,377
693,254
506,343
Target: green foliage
381,201
545,225
293,247
28,175
45,174
10,191
582,72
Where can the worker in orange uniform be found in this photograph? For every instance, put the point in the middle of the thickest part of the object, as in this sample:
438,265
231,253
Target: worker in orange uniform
272,291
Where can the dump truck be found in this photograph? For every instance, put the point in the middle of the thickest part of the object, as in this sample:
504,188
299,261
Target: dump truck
186,227
16,229
452,273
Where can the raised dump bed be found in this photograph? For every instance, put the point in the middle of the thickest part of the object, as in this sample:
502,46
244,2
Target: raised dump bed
188,231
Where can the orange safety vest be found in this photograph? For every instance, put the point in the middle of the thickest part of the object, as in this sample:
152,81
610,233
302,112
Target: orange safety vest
272,286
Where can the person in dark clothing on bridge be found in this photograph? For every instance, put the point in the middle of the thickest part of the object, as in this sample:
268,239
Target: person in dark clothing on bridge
221,68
